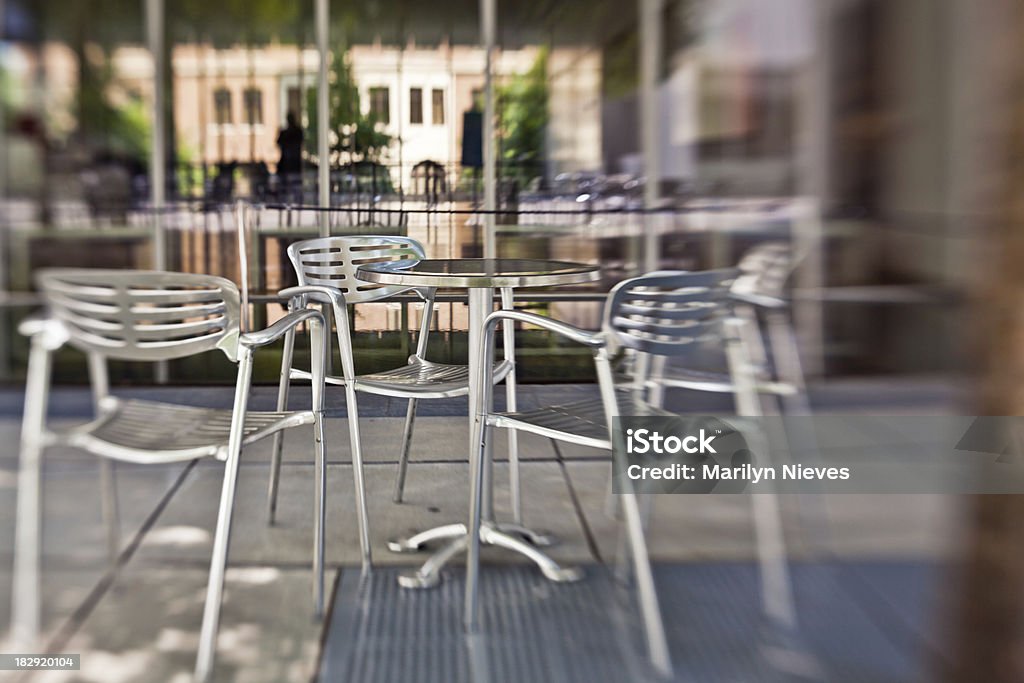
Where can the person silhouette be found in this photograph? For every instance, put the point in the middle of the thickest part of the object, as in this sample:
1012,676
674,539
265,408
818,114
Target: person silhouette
289,141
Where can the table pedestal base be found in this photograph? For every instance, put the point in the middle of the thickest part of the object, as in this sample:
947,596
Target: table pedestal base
511,536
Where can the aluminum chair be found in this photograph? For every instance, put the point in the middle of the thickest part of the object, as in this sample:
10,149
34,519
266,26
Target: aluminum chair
760,303
326,270
153,316
658,315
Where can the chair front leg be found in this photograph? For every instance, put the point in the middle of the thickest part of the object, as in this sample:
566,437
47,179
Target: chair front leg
222,536
282,405
318,353
341,321
26,593
509,338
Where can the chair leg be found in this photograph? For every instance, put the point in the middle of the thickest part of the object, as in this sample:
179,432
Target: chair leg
776,589
357,475
787,362
654,628
218,561
471,614
403,459
318,334
509,340
26,590
282,405
514,477
111,517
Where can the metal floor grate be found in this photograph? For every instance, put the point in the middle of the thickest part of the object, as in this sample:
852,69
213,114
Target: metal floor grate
533,630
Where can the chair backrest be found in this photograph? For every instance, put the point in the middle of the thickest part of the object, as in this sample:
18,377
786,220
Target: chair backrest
143,315
664,313
764,271
333,261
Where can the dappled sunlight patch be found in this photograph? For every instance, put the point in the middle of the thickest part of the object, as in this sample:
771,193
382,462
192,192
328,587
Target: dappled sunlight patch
107,667
176,640
257,576
178,536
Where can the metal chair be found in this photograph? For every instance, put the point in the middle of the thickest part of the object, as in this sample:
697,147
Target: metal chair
658,315
326,270
760,303
153,316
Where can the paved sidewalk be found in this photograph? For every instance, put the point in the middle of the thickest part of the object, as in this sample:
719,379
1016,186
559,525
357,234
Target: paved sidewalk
140,623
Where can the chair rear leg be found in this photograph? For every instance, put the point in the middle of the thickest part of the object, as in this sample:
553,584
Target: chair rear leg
403,459
357,474
218,561
111,516
282,405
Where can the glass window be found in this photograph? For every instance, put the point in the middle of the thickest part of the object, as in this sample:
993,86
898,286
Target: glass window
437,100
415,105
222,105
253,99
380,104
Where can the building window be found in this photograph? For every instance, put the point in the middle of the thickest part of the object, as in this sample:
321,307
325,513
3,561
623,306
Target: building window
380,104
253,99
415,105
222,106
437,99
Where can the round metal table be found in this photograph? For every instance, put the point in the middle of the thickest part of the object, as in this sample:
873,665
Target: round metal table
480,277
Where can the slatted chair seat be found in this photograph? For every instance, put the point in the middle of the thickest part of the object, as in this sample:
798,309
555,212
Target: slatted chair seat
583,422
155,432
424,378
152,316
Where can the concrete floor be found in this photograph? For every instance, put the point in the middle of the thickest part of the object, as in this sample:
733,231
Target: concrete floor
140,623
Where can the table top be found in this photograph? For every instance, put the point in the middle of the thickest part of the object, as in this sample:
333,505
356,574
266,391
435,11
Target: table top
479,272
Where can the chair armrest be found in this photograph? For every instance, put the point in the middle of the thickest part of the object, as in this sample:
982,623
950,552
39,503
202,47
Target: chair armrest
49,330
335,296
278,329
594,340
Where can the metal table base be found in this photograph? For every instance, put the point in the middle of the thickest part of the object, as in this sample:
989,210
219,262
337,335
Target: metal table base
479,277
511,536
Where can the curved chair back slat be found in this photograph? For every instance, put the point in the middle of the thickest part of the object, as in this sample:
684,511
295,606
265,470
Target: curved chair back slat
143,315
333,261
664,313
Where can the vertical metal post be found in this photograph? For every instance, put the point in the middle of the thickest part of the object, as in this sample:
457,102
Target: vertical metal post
812,187
4,328
322,121
488,10
650,54
158,153
242,228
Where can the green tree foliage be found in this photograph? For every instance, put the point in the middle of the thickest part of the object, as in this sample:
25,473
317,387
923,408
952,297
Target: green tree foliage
354,136
120,126
523,107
